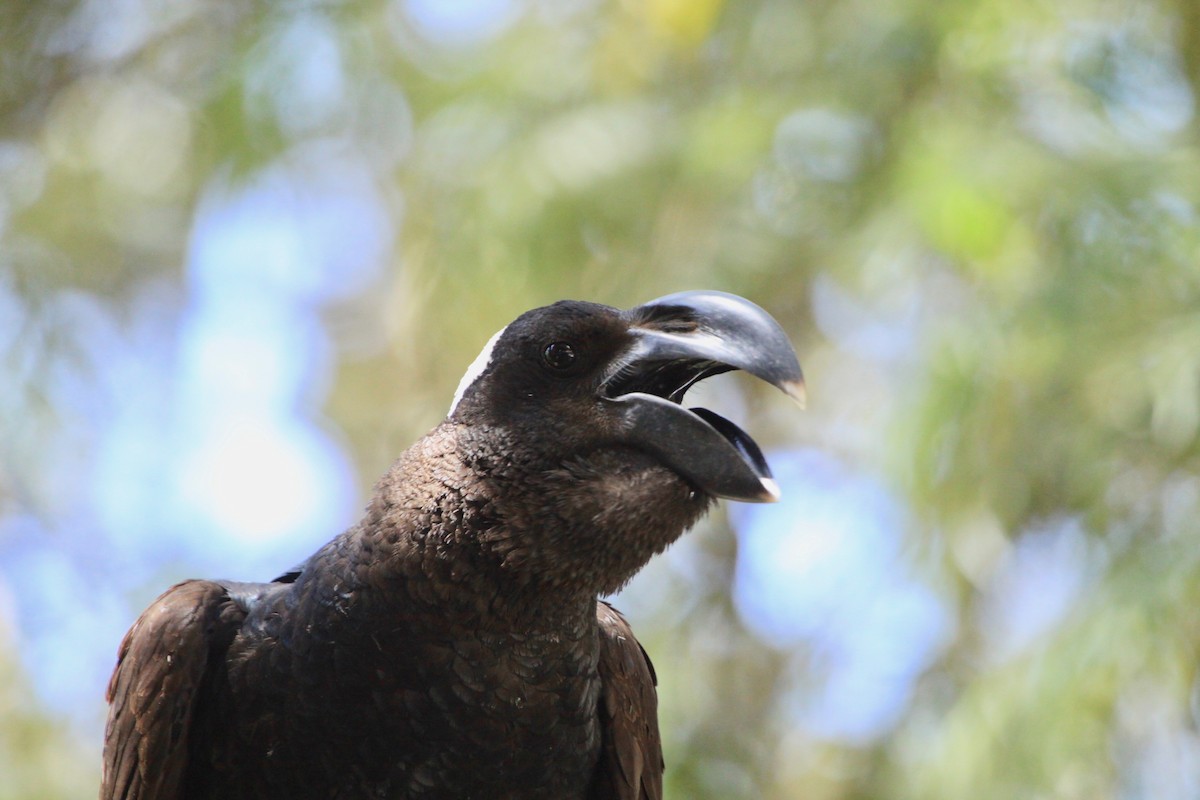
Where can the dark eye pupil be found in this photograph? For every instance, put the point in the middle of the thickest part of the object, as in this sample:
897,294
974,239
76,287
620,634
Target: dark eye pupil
559,355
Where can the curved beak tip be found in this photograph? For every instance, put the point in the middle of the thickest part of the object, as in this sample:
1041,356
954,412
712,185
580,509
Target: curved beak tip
796,390
771,491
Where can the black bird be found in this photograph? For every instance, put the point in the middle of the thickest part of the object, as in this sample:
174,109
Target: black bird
451,644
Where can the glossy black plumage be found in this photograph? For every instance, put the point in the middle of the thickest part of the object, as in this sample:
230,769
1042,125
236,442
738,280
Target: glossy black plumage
451,644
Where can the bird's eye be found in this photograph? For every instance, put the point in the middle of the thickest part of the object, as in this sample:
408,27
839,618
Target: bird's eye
559,355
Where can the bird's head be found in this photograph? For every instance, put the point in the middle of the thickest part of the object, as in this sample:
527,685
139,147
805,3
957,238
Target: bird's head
575,378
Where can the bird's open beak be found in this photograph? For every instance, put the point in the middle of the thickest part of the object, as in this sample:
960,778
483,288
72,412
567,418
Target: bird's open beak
679,340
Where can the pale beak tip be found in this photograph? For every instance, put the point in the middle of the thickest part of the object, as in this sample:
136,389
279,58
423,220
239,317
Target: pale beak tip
796,391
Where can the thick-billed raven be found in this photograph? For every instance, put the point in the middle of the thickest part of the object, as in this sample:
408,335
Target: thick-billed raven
451,644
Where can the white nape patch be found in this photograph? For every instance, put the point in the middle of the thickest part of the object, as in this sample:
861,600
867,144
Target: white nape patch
477,368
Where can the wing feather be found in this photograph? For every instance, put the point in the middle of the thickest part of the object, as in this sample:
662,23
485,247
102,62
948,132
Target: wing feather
161,668
631,762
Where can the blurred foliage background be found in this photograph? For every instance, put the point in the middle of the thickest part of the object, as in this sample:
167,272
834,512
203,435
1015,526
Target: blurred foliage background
247,249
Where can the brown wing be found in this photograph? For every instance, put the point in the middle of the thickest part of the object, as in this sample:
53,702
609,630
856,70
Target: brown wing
161,666
631,762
